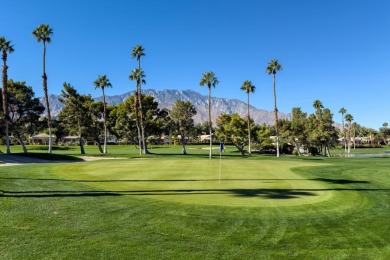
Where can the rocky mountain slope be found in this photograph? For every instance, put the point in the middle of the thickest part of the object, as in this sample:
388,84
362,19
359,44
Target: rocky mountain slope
166,98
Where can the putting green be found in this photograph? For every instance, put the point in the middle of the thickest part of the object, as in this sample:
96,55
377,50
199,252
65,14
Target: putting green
196,181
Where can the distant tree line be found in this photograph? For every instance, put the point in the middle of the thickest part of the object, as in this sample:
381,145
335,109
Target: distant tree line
139,120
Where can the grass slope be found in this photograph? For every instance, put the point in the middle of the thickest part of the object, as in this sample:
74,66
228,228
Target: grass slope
110,209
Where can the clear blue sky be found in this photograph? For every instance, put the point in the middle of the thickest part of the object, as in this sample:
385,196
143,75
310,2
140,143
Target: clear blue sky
337,51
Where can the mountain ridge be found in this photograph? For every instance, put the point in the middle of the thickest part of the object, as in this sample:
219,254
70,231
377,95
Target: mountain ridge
167,97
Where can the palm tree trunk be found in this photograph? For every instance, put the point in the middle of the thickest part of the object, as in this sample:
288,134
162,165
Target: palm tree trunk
276,119
104,122
7,142
137,121
5,104
44,78
145,150
345,136
210,124
249,131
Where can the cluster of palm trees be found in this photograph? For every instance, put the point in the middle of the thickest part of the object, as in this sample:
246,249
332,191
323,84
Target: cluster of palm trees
138,76
210,80
346,128
44,32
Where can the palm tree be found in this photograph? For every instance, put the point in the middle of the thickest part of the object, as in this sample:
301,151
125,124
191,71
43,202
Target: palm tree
137,53
5,47
317,104
42,34
272,68
342,112
208,79
103,82
248,88
138,76
349,118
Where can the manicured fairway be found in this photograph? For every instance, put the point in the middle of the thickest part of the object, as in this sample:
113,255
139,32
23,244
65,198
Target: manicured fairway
175,208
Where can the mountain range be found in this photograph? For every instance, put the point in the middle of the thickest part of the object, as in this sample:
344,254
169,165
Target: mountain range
167,97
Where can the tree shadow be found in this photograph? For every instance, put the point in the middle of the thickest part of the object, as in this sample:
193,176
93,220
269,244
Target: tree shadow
271,193
333,181
340,181
260,193
54,194
28,158
275,194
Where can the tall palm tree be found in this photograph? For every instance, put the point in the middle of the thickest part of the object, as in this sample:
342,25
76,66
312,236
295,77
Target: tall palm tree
138,76
342,111
43,34
272,68
103,82
349,118
248,88
210,80
5,47
138,52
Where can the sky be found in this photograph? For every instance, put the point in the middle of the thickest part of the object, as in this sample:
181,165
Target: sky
336,51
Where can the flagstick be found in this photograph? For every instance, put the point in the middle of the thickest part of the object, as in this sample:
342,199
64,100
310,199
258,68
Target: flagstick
220,161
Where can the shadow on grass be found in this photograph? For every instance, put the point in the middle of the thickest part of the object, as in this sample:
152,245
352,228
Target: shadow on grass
334,181
340,181
245,193
37,158
261,193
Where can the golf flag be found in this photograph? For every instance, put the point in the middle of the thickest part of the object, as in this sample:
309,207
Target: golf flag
221,147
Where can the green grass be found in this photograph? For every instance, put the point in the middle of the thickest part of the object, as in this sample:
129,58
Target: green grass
381,150
169,206
127,151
